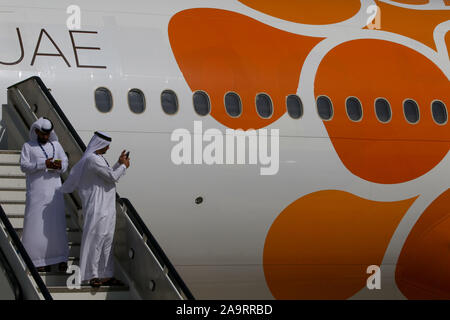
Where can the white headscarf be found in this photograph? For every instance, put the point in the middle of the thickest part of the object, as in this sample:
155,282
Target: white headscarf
98,141
44,125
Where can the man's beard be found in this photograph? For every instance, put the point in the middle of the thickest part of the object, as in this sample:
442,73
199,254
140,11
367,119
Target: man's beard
42,141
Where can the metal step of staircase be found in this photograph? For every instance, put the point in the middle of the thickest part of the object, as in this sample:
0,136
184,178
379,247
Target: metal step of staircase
55,278
10,156
73,235
22,215
86,292
57,284
6,183
17,221
11,172
10,160
14,196
14,209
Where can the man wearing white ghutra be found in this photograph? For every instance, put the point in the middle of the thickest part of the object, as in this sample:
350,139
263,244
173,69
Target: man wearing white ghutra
96,181
44,231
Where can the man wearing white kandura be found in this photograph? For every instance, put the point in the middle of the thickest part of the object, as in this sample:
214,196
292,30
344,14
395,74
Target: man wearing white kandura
96,182
44,230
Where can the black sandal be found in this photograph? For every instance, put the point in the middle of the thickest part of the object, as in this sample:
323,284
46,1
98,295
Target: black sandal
113,282
95,283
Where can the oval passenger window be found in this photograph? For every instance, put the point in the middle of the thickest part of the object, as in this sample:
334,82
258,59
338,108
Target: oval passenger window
383,110
233,104
439,112
169,102
411,111
264,105
103,100
354,109
136,100
294,106
202,105
324,107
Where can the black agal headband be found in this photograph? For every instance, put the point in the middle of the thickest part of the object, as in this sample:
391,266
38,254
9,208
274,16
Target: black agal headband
98,134
47,130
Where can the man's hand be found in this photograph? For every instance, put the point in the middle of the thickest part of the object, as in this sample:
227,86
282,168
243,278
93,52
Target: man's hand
49,164
124,160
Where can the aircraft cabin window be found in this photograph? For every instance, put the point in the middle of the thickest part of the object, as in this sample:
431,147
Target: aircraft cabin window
202,104
233,104
103,100
383,110
169,102
294,106
354,108
324,108
264,105
411,111
136,100
439,112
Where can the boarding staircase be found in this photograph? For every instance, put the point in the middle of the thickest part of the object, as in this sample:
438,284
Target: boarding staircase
139,261
12,200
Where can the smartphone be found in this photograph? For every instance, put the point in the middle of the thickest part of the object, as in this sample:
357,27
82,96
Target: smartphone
57,162
127,154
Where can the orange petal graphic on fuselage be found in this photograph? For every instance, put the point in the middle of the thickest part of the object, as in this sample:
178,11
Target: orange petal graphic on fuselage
423,268
220,51
416,24
315,12
396,151
320,246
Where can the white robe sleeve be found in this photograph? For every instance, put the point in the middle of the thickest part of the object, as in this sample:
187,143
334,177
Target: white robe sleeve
116,165
26,165
60,154
99,167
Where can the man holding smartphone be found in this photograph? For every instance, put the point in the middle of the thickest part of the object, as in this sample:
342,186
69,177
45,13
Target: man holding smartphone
95,181
44,231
